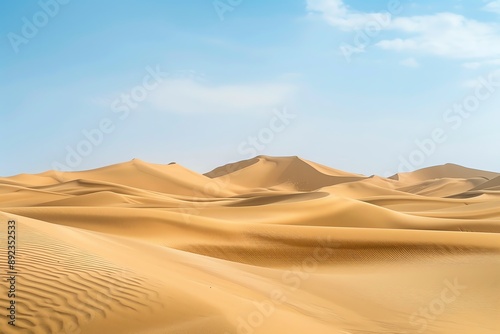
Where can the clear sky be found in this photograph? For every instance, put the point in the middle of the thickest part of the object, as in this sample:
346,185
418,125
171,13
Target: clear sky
366,86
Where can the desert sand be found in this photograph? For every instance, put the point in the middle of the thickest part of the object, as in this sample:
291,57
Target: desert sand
266,245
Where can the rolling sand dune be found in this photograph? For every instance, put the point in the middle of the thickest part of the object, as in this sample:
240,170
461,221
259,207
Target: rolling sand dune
281,174
266,245
443,171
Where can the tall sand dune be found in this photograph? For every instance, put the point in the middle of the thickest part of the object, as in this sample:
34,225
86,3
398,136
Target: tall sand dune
289,173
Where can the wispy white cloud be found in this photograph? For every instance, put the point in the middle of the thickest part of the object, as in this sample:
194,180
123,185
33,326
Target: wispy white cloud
338,14
409,62
493,6
470,84
472,65
444,34
447,35
475,65
191,96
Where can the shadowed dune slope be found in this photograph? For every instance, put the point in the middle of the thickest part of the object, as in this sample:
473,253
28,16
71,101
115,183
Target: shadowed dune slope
493,184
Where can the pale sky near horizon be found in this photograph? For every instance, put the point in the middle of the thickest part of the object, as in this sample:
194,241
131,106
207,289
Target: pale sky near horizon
366,87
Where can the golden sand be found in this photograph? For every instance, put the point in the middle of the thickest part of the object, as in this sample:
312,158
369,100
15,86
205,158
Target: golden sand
267,245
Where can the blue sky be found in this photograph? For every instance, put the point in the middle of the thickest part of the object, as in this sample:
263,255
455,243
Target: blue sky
371,87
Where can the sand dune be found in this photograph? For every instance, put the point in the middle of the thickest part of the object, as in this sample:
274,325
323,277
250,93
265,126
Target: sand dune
443,171
266,245
443,187
290,173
